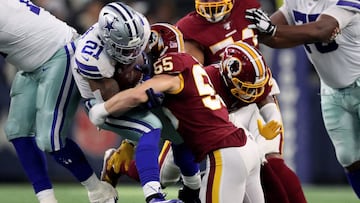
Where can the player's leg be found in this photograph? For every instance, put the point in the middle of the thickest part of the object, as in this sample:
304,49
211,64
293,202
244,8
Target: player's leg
19,131
57,103
143,127
185,167
190,173
169,171
290,181
247,117
274,151
233,175
272,186
281,184
177,161
341,119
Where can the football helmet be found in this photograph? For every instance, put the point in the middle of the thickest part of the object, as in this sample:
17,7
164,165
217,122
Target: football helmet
124,32
213,10
244,71
165,38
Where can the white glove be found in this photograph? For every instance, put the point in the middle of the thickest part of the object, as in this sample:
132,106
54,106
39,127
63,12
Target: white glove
260,21
98,114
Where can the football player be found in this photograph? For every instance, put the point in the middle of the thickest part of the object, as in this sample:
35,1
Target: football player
232,156
225,20
44,98
245,79
117,40
328,34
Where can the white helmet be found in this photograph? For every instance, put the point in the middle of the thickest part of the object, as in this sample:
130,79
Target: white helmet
124,31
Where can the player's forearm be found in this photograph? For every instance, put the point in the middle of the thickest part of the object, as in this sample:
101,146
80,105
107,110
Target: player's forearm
321,30
107,87
124,101
276,42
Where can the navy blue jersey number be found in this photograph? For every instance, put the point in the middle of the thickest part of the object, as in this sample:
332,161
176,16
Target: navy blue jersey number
93,49
33,8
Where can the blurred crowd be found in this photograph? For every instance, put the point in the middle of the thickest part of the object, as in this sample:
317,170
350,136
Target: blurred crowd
83,13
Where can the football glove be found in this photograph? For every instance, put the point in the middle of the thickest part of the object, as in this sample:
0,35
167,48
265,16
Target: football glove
122,157
270,130
260,21
147,69
155,98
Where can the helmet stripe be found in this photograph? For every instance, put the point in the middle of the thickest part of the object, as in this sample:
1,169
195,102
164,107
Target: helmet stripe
127,16
254,55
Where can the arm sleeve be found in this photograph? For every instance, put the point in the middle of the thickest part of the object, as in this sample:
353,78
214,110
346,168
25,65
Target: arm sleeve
270,112
284,10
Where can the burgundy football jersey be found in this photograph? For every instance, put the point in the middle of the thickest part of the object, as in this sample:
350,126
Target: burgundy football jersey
231,102
214,37
201,117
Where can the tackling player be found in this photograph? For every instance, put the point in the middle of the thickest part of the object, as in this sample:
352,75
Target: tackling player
201,118
44,98
244,79
117,40
214,25
329,34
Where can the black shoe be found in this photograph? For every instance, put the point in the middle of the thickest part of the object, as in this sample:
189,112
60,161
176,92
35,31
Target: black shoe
188,195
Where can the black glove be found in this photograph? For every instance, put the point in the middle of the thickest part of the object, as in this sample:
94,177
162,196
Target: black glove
155,98
260,21
188,195
146,68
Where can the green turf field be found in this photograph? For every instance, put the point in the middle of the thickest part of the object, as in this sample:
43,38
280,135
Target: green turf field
72,193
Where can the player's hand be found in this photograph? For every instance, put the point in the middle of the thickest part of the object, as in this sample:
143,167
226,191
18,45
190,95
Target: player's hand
334,34
122,157
98,114
146,69
270,130
155,98
260,21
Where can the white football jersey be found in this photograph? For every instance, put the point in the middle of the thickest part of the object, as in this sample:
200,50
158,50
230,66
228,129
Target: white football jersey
352,5
29,35
338,62
91,61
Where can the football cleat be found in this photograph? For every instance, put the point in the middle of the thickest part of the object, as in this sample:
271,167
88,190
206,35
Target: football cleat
104,194
109,176
155,200
117,162
160,198
188,195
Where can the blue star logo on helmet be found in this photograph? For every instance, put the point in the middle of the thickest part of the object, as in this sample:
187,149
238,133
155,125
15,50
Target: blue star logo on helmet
109,25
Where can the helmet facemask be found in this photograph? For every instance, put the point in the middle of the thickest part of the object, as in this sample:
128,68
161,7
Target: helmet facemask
213,11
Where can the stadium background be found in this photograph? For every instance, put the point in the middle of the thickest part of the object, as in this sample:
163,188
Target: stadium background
307,147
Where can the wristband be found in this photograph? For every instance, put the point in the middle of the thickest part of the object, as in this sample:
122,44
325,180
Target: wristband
101,110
